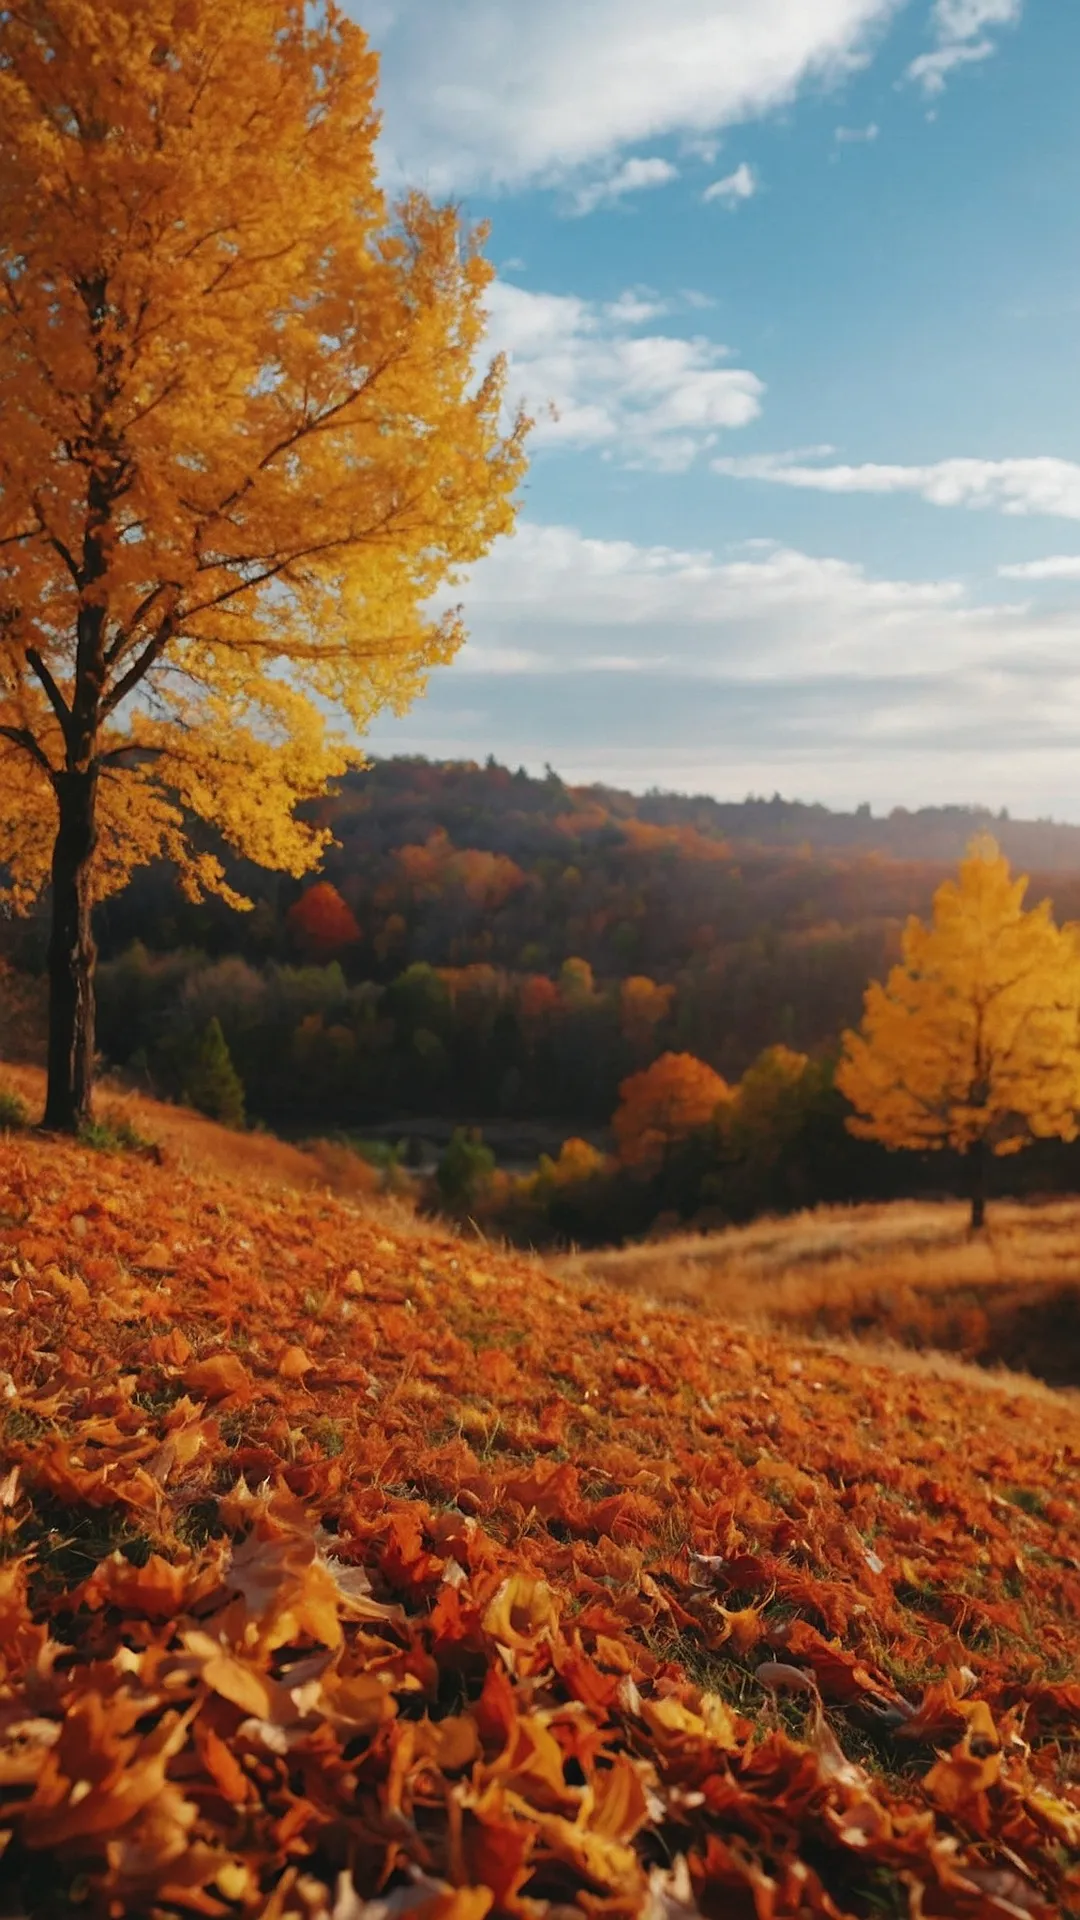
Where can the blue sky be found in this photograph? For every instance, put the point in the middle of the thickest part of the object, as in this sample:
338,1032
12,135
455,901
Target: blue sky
802,280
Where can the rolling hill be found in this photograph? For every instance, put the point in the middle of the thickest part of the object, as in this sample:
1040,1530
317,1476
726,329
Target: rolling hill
353,1570
909,1273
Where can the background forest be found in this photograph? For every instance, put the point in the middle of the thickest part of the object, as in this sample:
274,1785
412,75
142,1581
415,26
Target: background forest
490,951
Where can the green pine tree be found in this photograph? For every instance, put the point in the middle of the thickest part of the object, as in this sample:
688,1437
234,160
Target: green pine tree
213,1085
465,1170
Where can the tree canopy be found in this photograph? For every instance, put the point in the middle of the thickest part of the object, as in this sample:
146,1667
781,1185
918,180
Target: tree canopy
246,442
665,1103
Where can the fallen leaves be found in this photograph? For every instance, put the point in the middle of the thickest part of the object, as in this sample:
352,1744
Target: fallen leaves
343,1581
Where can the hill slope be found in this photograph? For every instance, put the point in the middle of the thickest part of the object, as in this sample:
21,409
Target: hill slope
909,1272
350,1572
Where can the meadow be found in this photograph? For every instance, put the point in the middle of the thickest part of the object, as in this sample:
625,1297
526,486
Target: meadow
909,1273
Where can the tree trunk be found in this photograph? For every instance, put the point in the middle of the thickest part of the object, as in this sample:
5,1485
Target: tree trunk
980,1167
72,955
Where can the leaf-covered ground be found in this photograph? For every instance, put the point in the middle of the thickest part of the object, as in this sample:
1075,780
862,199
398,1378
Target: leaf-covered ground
349,1572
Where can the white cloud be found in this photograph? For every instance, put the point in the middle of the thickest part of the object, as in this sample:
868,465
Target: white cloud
703,147
634,176
500,92
967,19
961,32
635,306
740,185
856,136
561,599
1060,566
931,70
648,399
1040,485
767,668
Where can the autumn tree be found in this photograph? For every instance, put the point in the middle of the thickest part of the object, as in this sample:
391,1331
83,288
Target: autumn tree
246,444
577,986
321,922
578,1160
643,1007
663,1105
973,1043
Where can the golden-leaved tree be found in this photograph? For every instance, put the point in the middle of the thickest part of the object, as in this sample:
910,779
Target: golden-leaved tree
245,442
973,1042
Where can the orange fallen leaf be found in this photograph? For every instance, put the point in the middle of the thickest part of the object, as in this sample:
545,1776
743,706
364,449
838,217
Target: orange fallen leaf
294,1363
218,1377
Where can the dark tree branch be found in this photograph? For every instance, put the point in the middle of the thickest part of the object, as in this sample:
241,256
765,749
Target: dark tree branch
116,755
125,636
305,428
56,699
58,546
22,737
139,668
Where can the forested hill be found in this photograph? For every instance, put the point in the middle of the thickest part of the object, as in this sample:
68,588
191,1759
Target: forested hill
928,833
490,806
406,802
453,864
486,943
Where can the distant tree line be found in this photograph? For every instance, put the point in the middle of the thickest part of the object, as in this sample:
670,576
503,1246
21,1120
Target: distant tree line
484,948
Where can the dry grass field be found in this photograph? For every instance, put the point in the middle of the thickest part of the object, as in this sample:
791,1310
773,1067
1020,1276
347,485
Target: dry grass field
909,1273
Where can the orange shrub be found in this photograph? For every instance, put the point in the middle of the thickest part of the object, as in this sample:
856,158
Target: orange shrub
669,1100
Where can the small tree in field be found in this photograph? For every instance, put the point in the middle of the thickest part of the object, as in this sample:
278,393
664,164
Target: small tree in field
213,1085
465,1170
973,1043
244,441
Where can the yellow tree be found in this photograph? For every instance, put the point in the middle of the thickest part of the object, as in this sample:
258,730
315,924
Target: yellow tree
245,441
973,1043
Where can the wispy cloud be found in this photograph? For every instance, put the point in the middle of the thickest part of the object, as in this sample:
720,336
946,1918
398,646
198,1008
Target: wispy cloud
635,175
734,187
1040,485
635,306
961,29
1059,566
498,93
645,399
856,136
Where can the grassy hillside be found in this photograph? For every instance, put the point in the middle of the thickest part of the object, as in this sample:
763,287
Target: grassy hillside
344,1563
910,1272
